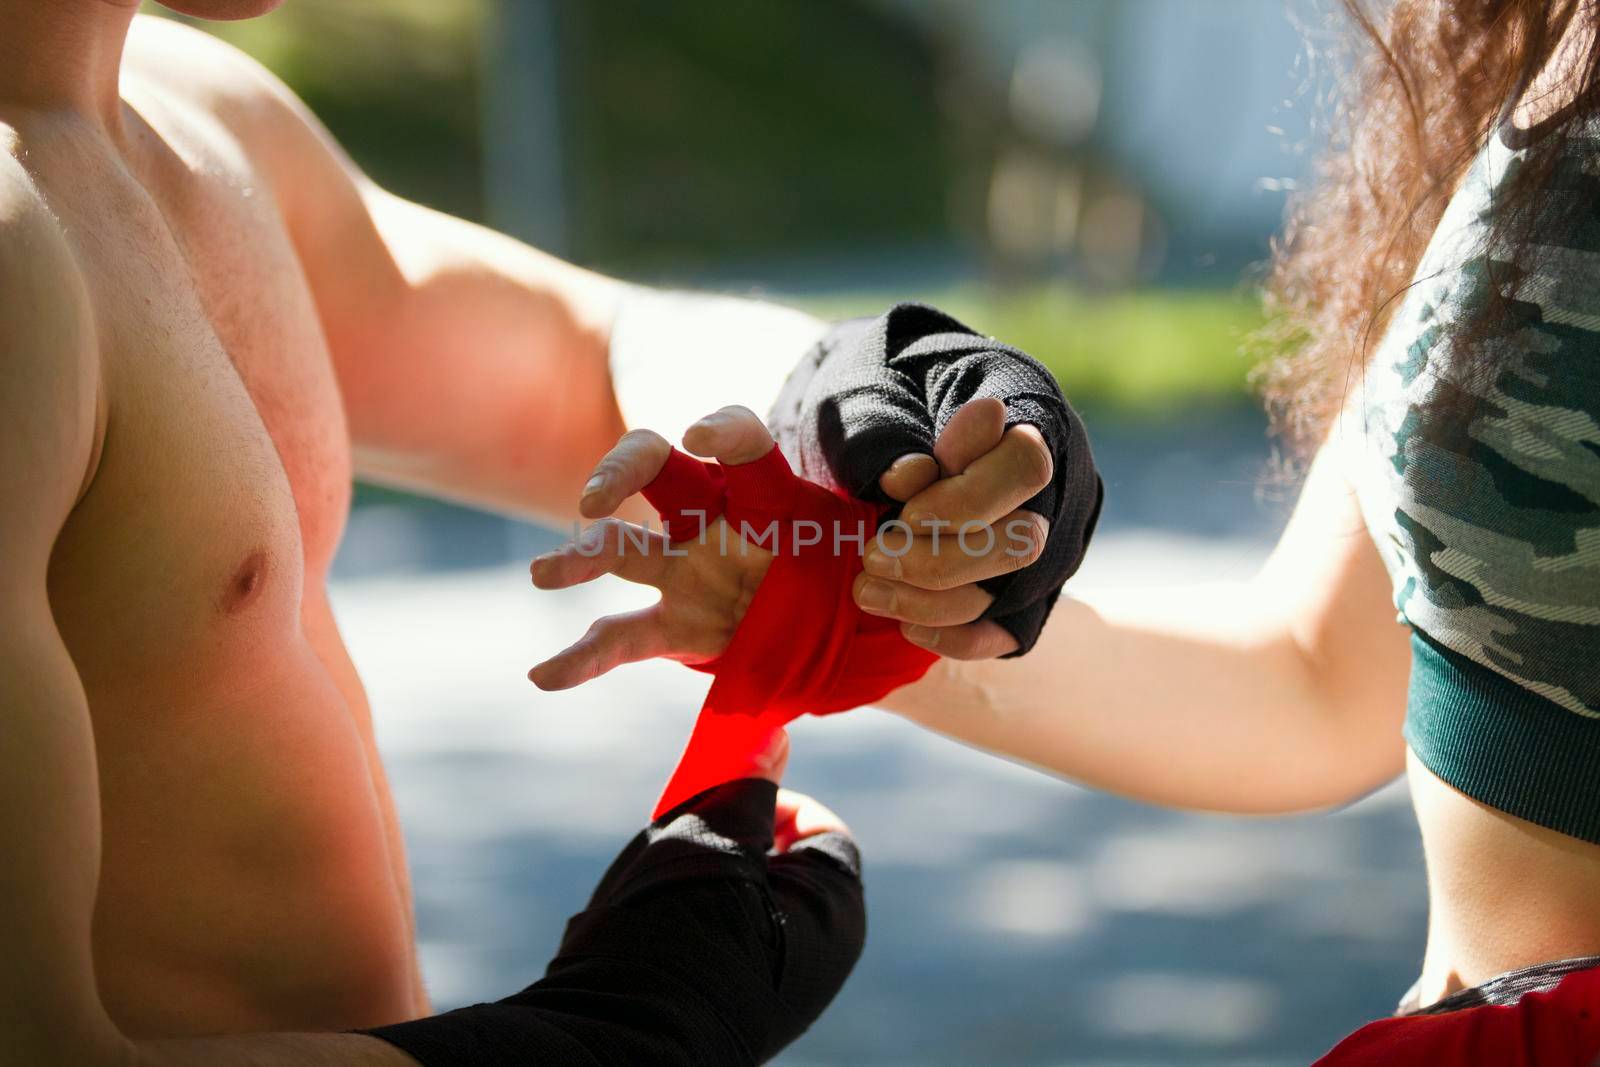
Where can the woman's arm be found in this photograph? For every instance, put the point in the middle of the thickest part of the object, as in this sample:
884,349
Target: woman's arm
1277,694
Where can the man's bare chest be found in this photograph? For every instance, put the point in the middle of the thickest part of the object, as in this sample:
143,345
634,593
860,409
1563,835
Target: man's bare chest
223,476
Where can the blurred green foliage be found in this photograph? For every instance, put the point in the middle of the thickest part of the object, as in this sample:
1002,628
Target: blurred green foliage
690,135
770,129
394,81
1143,353
699,134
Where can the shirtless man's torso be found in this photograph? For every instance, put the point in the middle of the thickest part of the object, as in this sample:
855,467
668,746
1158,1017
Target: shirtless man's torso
219,303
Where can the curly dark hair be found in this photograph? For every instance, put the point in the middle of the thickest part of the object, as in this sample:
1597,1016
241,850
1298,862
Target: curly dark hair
1425,83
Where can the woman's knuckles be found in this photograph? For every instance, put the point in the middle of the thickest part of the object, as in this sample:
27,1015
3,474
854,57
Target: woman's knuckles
1029,457
1026,533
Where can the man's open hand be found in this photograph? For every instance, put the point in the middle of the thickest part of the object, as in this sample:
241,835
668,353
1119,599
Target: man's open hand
978,476
706,583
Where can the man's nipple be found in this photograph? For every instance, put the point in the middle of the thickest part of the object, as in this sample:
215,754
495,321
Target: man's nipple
249,578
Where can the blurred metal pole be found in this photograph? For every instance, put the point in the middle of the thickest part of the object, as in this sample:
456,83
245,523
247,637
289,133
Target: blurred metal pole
524,180
524,186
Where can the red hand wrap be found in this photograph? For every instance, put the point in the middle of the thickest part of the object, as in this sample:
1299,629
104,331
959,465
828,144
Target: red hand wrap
803,645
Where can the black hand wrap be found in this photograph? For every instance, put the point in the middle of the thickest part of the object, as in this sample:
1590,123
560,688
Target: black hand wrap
696,948
873,390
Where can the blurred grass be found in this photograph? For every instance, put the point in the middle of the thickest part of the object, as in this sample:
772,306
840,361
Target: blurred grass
1132,357
1137,354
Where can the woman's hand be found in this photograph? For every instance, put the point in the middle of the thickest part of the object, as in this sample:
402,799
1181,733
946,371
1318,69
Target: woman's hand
706,584
978,476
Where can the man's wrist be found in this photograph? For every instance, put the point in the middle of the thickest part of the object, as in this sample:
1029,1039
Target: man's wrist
676,355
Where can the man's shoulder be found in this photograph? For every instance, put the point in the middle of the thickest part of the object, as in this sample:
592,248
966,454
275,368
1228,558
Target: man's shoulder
19,200
36,263
47,347
257,111
211,75
21,205
206,69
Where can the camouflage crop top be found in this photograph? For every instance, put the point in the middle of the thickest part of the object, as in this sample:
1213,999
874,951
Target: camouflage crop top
1488,514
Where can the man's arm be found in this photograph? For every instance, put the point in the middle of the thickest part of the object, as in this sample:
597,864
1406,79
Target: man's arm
471,365
49,808
1278,694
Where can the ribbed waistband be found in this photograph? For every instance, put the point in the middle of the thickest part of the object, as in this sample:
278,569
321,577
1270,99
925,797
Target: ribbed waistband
1501,743
1503,989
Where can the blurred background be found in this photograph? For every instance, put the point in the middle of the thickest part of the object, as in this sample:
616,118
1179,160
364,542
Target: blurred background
1093,180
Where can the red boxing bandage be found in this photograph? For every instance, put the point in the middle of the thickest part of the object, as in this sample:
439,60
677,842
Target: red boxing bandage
803,645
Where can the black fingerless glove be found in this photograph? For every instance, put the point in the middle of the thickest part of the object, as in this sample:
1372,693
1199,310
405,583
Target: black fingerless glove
873,390
696,948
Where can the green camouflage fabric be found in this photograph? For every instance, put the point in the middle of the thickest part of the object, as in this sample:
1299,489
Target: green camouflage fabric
1487,513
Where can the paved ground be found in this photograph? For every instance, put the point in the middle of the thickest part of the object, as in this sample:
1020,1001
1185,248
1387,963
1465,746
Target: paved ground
1015,918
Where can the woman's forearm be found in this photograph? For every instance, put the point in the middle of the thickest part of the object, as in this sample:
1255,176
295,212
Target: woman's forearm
1282,693
1204,697
1188,705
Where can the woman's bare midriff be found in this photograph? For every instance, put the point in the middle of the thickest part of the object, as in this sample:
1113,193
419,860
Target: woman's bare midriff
1502,893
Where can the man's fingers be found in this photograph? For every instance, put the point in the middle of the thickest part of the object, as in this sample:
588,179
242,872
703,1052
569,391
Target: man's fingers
974,430
976,640
731,435
996,483
773,760
897,600
609,546
632,464
799,817
610,642
958,555
908,476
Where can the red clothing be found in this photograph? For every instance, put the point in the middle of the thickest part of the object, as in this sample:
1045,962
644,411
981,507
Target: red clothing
1556,1028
